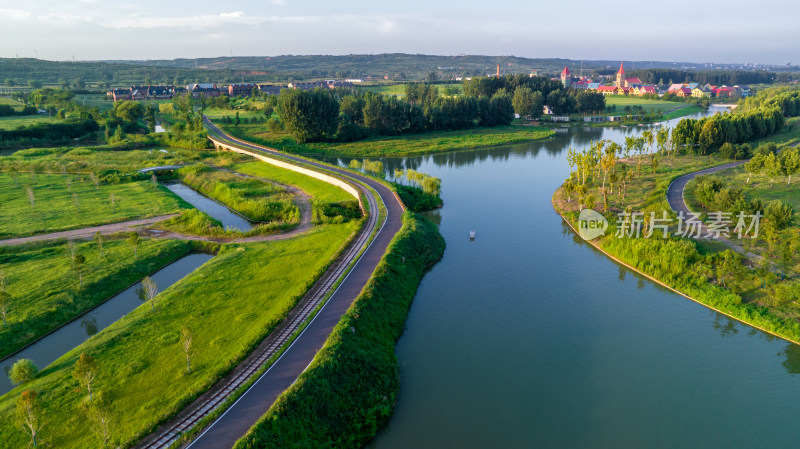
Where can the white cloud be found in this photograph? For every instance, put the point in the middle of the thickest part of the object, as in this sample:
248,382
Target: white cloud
14,14
279,2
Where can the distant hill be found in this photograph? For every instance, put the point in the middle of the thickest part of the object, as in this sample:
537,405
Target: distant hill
380,67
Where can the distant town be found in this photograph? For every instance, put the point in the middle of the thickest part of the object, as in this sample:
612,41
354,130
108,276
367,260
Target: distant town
623,85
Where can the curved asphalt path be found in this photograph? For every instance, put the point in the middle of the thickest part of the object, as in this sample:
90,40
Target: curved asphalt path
678,204
238,419
677,187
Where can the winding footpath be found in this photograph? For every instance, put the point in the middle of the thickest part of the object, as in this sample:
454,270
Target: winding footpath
677,201
258,398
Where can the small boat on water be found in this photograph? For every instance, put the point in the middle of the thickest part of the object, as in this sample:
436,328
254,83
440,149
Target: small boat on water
472,235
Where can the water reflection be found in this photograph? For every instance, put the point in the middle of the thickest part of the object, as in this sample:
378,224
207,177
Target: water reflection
532,338
89,324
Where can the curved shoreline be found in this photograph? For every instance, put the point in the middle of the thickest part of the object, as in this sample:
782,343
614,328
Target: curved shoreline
661,283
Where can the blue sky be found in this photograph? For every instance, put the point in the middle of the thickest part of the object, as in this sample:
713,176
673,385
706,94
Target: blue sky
700,31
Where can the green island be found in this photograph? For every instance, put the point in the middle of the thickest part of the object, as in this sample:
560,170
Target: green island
751,277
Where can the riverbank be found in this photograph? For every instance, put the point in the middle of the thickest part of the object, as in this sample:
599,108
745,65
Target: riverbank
703,291
350,389
430,142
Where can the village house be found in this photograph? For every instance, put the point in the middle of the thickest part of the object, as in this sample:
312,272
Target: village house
269,89
143,93
241,90
204,90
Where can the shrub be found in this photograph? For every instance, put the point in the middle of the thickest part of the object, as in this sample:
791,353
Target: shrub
23,371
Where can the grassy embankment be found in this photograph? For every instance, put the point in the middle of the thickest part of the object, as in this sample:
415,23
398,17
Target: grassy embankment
705,271
328,201
255,199
142,369
430,142
62,202
46,290
350,389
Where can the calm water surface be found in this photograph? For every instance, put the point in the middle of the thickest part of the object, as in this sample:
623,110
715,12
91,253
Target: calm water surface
528,337
229,219
58,343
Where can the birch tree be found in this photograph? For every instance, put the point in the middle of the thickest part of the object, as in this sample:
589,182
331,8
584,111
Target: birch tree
186,344
150,290
29,415
85,372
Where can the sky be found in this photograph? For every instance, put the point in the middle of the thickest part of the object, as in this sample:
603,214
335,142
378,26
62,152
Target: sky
718,31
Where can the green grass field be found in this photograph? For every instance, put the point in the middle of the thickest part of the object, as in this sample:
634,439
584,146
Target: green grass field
230,304
27,120
649,105
255,199
11,102
55,208
430,142
319,190
86,160
46,291
400,89
100,101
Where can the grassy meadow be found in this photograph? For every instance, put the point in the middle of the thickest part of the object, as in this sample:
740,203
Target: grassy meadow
62,202
256,199
142,366
25,120
46,291
319,190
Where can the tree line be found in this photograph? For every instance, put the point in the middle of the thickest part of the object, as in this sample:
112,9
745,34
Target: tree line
713,77
532,93
754,119
324,115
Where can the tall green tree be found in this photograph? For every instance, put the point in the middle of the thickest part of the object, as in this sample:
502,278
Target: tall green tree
308,115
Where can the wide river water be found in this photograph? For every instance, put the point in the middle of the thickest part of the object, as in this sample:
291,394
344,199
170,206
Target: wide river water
527,337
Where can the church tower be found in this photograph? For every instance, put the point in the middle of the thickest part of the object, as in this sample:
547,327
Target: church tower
566,77
620,76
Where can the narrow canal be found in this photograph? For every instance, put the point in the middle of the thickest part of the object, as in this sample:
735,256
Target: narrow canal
230,220
61,341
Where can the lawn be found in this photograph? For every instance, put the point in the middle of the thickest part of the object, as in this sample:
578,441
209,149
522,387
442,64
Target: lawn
394,89
11,102
430,142
229,304
256,199
321,191
100,101
621,101
400,89
25,120
63,202
97,159
46,291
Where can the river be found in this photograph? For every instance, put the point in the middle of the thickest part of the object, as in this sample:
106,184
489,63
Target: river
528,337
